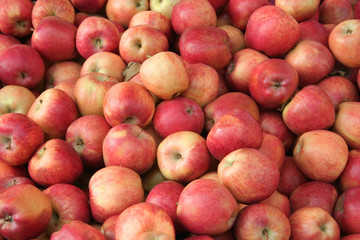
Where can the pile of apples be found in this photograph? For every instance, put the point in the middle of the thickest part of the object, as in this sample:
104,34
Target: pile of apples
179,119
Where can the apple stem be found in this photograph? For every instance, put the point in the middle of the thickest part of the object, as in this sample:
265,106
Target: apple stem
265,232
8,218
98,42
8,147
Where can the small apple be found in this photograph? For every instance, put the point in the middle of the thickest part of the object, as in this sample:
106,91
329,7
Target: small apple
15,99
89,6
350,177
123,11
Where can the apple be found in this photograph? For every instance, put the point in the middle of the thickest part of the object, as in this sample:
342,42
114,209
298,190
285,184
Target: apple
349,178
21,65
140,42
24,212
7,182
11,171
240,68
350,237
178,114
77,230
237,39
89,6
205,44
112,190
96,34
232,131
90,91
80,17
137,79
335,11
199,237
301,11
223,88
310,109
345,212
152,178
62,72
86,134
223,17
123,11
280,201
313,223
6,41
108,227
244,172
15,17
51,33
313,30
262,221
164,74
164,7
128,145
60,8
206,206
15,99
128,102
273,147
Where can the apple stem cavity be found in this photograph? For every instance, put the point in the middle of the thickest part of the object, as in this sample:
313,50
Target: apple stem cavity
323,227
8,147
8,218
21,24
98,43
265,232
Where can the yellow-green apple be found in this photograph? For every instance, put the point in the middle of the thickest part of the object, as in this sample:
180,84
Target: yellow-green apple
314,194
55,161
15,99
62,72
280,201
8,170
313,30
203,83
139,42
60,8
350,177
6,41
123,11
273,147
86,134
272,30
303,113
206,207
344,42
90,91
7,182
21,65
335,11
351,237
15,17
88,6
206,44
164,74
164,7
312,61
78,230
339,89
96,34
346,211
188,13
113,189
108,227
152,177
24,212
308,223
234,130
183,156
262,221
347,123
144,221
240,10
303,10
68,203
245,171
273,82
53,121
128,102
166,195
317,163
104,62
51,33
227,103
128,145
178,114
240,68
290,177
237,39
20,137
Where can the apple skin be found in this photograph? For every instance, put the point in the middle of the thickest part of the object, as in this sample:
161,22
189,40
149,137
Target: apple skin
273,82
280,201
272,30
55,161
199,237
233,131
152,177
242,171
123,11
261,221
68,203
237,38
77,230
96,34
205,44
349,178
24,212
164,7
206,207
273,147
128,145
51,33
15,18
335,11
7,182
313,30
313,223
178,114
11,171
62,72
21,65
20,138
108,227
304,114
301,11
345,212
6,41
89,6
351,237
113,189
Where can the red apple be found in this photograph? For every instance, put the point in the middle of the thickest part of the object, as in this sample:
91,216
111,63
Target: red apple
300,10
80,17
62,72
7,182
351,237
6,41
199,237
273,147
335,11
164,7
280,201
313,30
237,39
89,6
350,177
123,11
108,227
77,230
15,99
11,171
